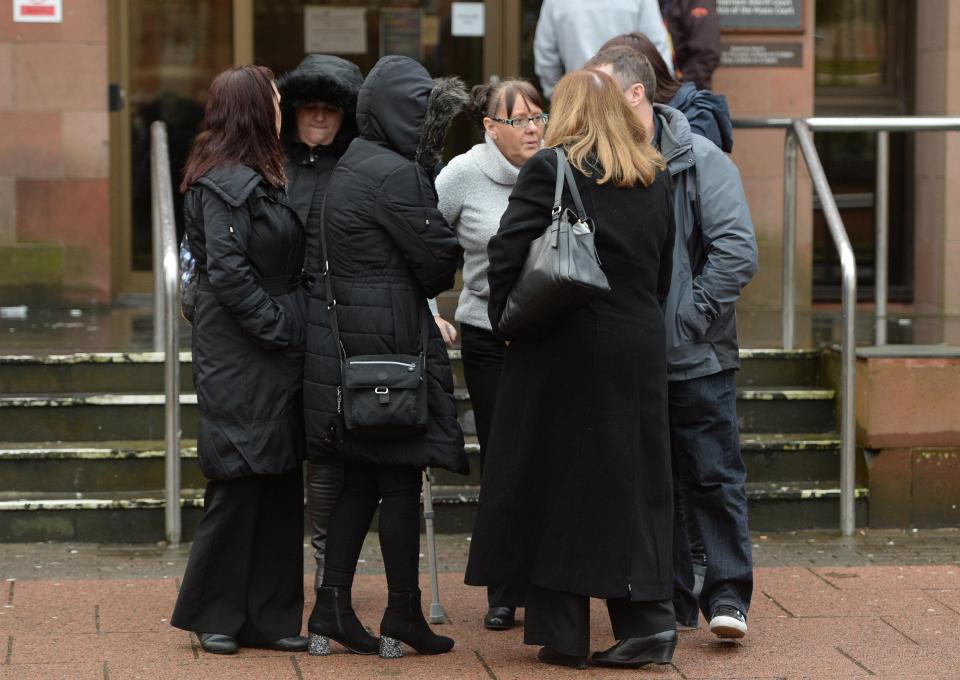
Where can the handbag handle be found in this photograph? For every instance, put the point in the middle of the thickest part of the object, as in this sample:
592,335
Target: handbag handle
564,170
332,301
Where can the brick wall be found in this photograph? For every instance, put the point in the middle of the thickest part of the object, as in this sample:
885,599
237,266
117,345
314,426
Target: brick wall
54,157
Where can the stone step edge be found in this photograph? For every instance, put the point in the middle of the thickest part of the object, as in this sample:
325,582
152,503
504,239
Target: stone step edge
152,450
442,495
185,357
190,399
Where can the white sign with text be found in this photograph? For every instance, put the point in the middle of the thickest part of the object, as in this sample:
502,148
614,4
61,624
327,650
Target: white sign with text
335,30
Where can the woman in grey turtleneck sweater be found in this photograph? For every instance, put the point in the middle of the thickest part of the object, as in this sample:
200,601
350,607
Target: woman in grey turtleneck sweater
473,192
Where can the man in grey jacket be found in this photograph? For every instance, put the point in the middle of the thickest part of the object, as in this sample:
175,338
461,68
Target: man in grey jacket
714,258
571,31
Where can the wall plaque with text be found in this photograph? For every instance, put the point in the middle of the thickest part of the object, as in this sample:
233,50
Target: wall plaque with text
761,15
762,54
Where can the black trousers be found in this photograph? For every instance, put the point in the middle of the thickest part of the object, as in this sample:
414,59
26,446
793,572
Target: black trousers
244,577
396,489
482,360
561,621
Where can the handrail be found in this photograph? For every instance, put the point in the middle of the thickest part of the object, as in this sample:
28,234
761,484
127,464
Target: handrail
165,321
804,138
883,126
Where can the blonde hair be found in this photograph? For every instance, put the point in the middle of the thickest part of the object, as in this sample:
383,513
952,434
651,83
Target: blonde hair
591,119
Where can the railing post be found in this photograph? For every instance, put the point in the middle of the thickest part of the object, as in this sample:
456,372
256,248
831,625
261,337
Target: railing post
881,206
788,319
848,347
165,243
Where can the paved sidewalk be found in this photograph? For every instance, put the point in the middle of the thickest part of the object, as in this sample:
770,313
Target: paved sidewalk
831,609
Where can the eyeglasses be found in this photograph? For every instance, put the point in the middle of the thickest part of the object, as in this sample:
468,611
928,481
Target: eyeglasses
537,120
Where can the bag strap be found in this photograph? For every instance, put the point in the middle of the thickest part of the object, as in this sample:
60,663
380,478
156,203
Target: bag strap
564,170
332,301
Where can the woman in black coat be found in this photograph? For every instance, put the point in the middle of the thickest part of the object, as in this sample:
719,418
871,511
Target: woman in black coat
389,249
577,497
318,103
244,579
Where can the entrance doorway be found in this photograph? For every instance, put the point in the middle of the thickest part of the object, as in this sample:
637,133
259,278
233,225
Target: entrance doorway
164,53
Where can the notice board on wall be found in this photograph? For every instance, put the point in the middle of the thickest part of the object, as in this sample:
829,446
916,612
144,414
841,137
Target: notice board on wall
761,15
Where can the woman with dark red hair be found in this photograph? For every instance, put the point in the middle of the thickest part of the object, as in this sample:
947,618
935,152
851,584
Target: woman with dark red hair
244,580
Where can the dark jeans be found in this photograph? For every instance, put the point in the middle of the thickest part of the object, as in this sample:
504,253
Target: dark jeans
561,621
244,577
396,489
705,441
482,360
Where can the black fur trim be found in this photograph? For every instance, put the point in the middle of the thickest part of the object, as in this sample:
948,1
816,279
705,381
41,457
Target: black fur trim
447,99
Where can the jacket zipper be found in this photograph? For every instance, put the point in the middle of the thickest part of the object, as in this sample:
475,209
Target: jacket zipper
392,363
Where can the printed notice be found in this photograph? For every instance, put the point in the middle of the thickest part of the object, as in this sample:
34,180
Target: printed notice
467,19
765,54
335,30
38,11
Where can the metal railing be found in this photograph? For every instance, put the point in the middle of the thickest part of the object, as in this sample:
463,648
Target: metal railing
799,132
166,318
883,126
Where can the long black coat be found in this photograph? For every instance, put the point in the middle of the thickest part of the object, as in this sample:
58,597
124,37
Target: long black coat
577,487
249,325
389,250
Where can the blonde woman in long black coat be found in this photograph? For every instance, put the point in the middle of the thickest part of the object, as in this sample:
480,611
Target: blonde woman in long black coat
578,501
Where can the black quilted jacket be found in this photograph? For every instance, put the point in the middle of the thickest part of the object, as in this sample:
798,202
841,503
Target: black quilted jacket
389,250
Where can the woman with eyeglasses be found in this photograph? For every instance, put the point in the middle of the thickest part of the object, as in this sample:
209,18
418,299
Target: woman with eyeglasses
473,192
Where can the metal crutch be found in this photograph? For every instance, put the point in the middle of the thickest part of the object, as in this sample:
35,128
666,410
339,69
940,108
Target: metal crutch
436,609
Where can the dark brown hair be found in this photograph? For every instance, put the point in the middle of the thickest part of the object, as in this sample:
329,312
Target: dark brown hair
240,127
667,84
485,99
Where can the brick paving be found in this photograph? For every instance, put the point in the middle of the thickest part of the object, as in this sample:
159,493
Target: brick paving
883,605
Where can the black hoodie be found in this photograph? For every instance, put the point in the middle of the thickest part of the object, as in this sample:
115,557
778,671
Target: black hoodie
318,78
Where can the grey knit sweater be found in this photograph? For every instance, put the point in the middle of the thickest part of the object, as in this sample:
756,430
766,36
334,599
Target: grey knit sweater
473,191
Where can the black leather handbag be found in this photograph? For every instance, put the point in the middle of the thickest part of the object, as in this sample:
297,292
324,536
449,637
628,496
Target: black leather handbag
562,271
380,395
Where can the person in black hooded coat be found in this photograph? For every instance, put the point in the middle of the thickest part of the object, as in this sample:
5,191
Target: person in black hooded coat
389,250
318,106
244,579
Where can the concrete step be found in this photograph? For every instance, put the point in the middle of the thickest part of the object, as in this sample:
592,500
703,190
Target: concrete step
116,466
763,410
139,516
142,372
121,417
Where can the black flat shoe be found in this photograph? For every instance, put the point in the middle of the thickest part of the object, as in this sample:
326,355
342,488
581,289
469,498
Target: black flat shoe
499,618
554,658
639,651
215,643
295,643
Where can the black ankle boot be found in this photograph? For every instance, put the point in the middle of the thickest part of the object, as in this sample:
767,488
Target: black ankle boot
333,618
403,622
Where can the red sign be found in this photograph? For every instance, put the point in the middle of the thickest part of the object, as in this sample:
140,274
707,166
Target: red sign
42,11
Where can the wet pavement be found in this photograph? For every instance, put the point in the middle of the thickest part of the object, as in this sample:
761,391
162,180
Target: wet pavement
882,604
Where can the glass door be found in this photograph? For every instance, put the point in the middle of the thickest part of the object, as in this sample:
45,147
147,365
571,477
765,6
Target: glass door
166,52
284,31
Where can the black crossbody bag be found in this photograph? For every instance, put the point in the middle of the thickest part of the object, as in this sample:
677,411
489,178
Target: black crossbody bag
380,395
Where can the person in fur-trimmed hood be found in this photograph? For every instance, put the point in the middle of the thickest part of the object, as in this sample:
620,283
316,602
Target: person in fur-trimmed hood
319,112
388,249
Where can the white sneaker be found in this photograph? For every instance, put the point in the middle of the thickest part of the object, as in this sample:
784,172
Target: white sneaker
728,622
